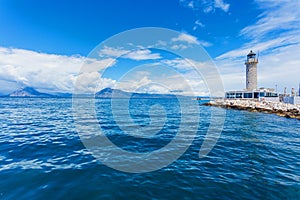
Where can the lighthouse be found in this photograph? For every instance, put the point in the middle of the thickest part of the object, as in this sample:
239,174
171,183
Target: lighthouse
251,71
252,92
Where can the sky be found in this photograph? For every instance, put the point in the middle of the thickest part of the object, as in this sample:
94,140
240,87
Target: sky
45,44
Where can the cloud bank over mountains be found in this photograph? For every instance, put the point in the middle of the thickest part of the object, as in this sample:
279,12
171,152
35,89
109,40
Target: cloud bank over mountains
57,73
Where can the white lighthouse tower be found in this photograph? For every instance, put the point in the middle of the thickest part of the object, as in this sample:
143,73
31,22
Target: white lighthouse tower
251,71
251,91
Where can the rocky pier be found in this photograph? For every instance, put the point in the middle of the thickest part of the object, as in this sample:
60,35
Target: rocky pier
278,108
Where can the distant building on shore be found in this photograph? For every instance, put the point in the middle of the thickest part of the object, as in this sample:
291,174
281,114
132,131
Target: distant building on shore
251,91
292,98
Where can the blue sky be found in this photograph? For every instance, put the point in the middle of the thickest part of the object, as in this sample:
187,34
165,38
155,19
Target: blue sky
43,43
76,27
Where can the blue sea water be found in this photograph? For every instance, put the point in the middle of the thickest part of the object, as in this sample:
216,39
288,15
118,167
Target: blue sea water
42,157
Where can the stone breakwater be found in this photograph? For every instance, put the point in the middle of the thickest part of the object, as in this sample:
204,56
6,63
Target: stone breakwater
278,108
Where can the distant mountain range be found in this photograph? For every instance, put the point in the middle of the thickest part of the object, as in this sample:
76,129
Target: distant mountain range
109,93
106,93
28,92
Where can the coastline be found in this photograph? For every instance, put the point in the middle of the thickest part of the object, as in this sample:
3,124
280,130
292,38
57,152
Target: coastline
278,108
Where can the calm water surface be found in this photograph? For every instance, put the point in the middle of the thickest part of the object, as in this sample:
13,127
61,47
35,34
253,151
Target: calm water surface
42,156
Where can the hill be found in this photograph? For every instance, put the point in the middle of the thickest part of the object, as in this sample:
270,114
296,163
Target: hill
108,93
28,92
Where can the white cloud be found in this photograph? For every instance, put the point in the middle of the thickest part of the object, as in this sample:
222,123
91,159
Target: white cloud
93,65
223,6
183,37
91,82
112,52
180,42
189,39
58,73
161,84
191,4
207,6
143,54
205,43
208,9
179,64
46,72
198,24
261,46
133,83
279,16
135,54
163,77
179,46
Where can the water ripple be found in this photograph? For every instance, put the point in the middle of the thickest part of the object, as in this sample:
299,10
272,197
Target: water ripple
257,156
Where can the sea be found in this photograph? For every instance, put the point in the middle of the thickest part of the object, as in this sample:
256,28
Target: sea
42,155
